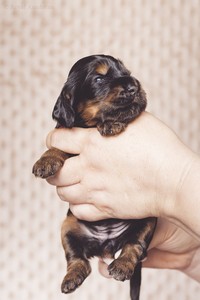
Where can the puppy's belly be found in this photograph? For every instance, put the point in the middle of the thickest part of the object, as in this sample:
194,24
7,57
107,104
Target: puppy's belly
105,238
103,232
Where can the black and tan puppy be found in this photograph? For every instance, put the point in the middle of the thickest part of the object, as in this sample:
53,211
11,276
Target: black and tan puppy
99,92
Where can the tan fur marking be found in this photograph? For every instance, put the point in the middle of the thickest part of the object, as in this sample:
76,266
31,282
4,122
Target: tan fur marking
69,224
93,107
113,95
102,69
149,227
55,153
90,111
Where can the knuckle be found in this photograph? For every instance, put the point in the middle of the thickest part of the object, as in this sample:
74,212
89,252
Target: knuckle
61,193
77,211
51,139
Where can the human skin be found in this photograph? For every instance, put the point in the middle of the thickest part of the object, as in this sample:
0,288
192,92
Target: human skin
144,171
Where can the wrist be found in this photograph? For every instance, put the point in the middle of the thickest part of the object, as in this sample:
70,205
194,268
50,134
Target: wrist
183,207
192,268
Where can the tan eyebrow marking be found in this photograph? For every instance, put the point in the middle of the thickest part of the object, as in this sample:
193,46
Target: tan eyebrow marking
102,69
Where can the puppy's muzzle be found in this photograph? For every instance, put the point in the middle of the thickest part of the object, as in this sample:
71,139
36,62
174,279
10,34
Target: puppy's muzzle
128,84
128,90
128,87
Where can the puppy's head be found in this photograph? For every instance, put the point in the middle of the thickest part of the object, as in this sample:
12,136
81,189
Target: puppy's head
97,85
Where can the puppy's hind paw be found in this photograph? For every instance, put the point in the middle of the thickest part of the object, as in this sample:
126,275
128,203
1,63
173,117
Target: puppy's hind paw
121,269
71,284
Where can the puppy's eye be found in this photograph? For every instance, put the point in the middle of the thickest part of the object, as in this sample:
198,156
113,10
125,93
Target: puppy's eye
99,79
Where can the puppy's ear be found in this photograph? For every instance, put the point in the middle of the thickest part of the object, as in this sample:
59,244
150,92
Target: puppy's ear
63,111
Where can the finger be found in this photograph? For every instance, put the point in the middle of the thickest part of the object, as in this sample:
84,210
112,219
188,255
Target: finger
69,174
87,212
68,140
74,194
103,268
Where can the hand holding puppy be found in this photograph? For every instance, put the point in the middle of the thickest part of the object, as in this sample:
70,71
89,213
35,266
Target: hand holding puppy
145,171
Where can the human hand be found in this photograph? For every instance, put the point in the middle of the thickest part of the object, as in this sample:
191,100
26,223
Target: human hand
137,174
170,248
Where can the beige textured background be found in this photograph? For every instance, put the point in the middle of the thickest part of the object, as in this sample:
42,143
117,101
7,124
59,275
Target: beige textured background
40,40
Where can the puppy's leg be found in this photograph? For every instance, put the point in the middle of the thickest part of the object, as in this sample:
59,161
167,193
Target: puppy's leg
78,270
78,267
122,268
49,163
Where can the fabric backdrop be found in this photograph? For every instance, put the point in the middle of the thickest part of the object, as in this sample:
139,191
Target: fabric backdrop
40,40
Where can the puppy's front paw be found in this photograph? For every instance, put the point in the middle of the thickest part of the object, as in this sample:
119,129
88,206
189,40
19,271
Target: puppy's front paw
121,269
110,128
47,166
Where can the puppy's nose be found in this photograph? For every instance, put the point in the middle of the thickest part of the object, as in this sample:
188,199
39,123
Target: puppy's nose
131,88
